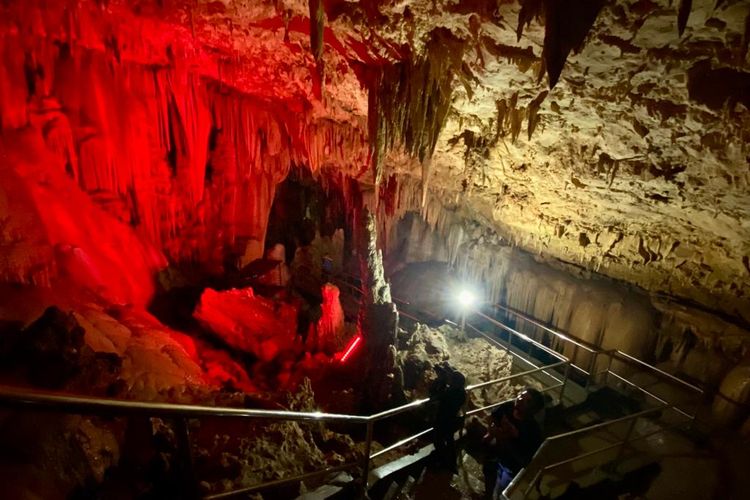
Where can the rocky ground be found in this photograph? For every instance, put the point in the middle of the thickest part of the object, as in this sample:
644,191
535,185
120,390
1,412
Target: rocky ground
423,347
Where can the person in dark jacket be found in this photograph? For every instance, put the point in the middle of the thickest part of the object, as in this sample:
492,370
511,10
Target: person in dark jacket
512,439
449,393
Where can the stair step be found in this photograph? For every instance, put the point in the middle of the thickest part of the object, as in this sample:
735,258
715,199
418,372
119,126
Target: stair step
392,467
592,477
334,487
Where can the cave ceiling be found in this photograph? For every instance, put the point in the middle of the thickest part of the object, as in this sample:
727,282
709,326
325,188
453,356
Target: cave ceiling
611,135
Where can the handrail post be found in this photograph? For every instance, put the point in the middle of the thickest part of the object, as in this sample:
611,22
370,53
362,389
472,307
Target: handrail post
528,350
189,483
624,443
592,365
565,381
533,483
609,367
574,356
507,342
366,459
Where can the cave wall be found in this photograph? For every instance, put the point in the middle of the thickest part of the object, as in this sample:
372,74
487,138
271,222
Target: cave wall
430,263
124,150
633,164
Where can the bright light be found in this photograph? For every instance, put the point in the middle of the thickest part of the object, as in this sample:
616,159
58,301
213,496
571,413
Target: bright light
466,298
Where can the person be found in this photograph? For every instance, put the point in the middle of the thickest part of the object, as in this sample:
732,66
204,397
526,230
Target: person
512,439
449,392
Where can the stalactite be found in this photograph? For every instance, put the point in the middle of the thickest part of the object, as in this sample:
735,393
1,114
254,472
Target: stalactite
529,10
190,165
13,91
566,24
533,110
409,101
317,27
683,12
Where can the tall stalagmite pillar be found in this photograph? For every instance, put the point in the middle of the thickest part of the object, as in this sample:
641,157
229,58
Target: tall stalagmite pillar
378,319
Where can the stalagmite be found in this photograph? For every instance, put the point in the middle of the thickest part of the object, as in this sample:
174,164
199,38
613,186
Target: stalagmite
378,318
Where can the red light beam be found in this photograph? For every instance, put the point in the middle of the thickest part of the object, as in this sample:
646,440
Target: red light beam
350,348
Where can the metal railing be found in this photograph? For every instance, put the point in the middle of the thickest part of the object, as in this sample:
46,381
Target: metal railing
12,397
590,375
596,352
512,488
662,407
620,445
23,398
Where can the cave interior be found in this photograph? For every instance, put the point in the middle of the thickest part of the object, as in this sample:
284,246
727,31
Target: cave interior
282,204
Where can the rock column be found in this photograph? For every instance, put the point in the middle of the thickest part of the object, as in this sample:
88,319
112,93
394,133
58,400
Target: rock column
378,320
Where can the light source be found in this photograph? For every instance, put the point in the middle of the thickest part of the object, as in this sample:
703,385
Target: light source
350,348
466,298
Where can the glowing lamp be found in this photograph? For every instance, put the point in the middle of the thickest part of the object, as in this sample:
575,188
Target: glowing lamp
466,298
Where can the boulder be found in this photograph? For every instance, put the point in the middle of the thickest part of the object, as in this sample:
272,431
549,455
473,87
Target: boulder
253,324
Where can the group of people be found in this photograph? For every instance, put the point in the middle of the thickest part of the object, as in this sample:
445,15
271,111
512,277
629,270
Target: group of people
513,432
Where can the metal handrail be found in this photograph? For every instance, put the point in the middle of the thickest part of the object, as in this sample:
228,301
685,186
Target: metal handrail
589,347
522,336
398,444
493,405
597,350
12,396
601,425
629,439
399,409
510,330
90,405
651,394
516,375
664,405
589,429
660,371
511,353
15,397
420,402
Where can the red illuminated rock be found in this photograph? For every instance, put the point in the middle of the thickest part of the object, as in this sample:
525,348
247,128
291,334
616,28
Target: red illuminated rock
253,324
54,232
329,336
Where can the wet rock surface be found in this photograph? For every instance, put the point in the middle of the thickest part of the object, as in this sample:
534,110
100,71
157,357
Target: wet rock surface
423,348
268,451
